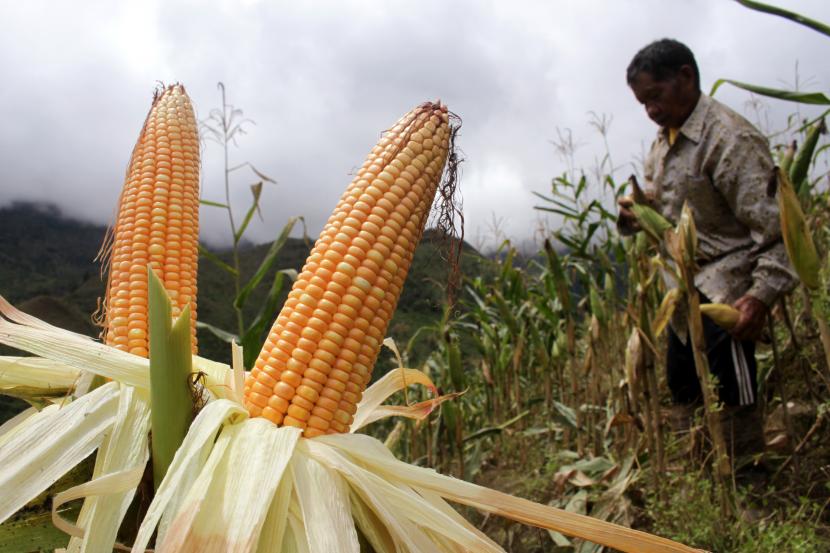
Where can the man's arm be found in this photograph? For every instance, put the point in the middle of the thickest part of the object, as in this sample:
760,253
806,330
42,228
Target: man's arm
741,174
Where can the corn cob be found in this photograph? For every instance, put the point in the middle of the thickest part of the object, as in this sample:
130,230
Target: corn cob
318,357
722,314
665,311
687,239
634,365
654,224
157,223
798,240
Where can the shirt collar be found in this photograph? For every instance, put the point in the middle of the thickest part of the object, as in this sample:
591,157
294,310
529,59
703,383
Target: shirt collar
692,128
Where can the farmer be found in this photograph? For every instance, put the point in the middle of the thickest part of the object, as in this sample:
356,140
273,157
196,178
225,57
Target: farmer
711,158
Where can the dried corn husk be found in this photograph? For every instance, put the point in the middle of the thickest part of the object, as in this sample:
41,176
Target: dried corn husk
665,311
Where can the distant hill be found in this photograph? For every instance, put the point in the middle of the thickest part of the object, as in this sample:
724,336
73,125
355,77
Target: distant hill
47,269
43,253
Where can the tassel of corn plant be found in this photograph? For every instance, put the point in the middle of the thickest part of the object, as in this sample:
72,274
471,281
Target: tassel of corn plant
157,223
319,354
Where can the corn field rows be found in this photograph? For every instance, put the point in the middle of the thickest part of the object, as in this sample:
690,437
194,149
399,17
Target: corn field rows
562,354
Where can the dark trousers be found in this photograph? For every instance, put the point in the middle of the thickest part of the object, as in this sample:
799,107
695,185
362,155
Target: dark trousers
733,363
735,387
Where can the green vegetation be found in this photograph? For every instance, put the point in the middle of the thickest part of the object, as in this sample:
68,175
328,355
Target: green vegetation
690,514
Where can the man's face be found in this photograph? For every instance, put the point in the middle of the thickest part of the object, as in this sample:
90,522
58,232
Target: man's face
668,102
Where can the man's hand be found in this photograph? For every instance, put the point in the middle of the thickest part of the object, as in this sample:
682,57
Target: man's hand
752,320
627,221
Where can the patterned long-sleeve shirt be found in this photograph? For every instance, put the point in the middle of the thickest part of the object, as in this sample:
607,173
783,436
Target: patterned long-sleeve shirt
720,164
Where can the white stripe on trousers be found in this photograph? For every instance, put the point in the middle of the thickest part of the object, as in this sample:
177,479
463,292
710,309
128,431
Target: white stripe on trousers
745,391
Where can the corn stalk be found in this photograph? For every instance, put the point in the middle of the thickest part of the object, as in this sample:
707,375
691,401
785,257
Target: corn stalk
682,245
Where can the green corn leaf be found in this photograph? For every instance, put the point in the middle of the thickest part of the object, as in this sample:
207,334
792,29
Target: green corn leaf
256,190
565,214
801,164
213,258
266,264
575,247
813,98
170,368
540,195
213,204
786,158
566,209
786,14
223,335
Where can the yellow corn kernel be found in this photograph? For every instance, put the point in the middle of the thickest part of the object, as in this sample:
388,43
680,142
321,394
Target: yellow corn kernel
340,306
157,223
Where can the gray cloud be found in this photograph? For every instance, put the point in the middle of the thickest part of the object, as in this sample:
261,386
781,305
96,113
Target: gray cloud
322,79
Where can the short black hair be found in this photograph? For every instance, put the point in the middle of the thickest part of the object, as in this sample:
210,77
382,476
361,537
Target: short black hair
662,59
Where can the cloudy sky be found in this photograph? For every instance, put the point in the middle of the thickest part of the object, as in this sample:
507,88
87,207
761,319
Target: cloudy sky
321,80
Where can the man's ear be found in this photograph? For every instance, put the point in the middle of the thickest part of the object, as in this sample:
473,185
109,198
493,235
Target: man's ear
687,75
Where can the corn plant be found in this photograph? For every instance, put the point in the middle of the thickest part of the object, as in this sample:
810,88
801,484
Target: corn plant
224,126
643,355
682,246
